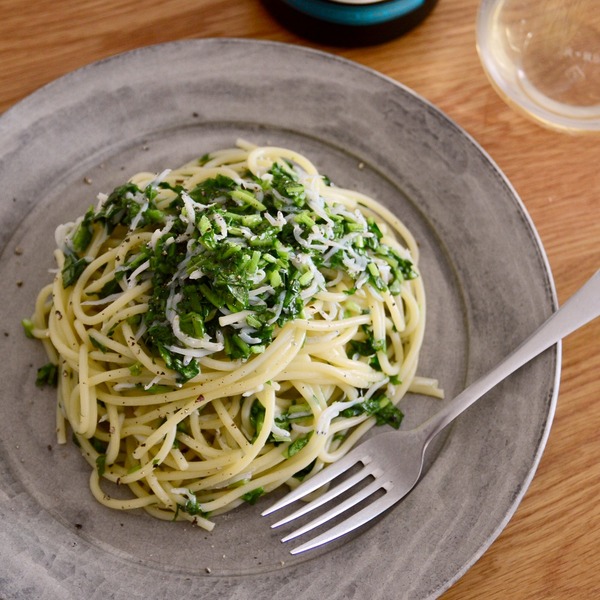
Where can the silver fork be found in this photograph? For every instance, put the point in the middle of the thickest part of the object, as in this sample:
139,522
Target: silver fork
391,479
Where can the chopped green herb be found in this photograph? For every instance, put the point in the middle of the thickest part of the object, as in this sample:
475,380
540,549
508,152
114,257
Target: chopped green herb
257,417
297,445
47,375
252,496
98,344
379,406
158,389
101,464
73,267
98,445
112,287
302,473
192,507
28,327
395,380
82,236
136,369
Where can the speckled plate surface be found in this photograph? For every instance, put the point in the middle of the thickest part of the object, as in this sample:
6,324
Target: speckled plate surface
485,272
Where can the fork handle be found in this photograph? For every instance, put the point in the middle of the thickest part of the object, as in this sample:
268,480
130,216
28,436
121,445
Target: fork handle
581,308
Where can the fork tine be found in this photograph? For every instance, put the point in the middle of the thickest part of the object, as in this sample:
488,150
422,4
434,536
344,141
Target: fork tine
320,479
337,509
350,524
329,495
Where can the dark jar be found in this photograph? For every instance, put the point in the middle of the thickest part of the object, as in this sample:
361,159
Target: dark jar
349,22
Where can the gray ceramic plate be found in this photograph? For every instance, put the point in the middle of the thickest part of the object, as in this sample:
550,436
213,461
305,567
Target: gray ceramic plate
486,275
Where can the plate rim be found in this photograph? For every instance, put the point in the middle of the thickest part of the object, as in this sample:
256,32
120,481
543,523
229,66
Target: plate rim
29,102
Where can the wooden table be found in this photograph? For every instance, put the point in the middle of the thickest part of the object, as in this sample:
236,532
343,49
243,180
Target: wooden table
551,548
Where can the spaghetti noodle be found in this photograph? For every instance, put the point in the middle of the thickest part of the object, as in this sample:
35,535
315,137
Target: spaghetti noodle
227,327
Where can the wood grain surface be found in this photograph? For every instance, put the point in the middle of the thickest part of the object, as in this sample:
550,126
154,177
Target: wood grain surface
551,547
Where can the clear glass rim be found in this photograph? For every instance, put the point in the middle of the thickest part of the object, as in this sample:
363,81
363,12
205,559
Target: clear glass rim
527,100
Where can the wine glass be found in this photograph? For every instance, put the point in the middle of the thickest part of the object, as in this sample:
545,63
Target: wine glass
543,58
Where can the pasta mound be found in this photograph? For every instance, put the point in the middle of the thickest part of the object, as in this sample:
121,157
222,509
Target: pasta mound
225,328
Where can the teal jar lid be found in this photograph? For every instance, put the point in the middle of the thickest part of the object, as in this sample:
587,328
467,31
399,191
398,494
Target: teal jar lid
350,22
354,13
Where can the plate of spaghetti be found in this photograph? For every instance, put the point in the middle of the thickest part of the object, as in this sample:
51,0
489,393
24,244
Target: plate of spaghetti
216,284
